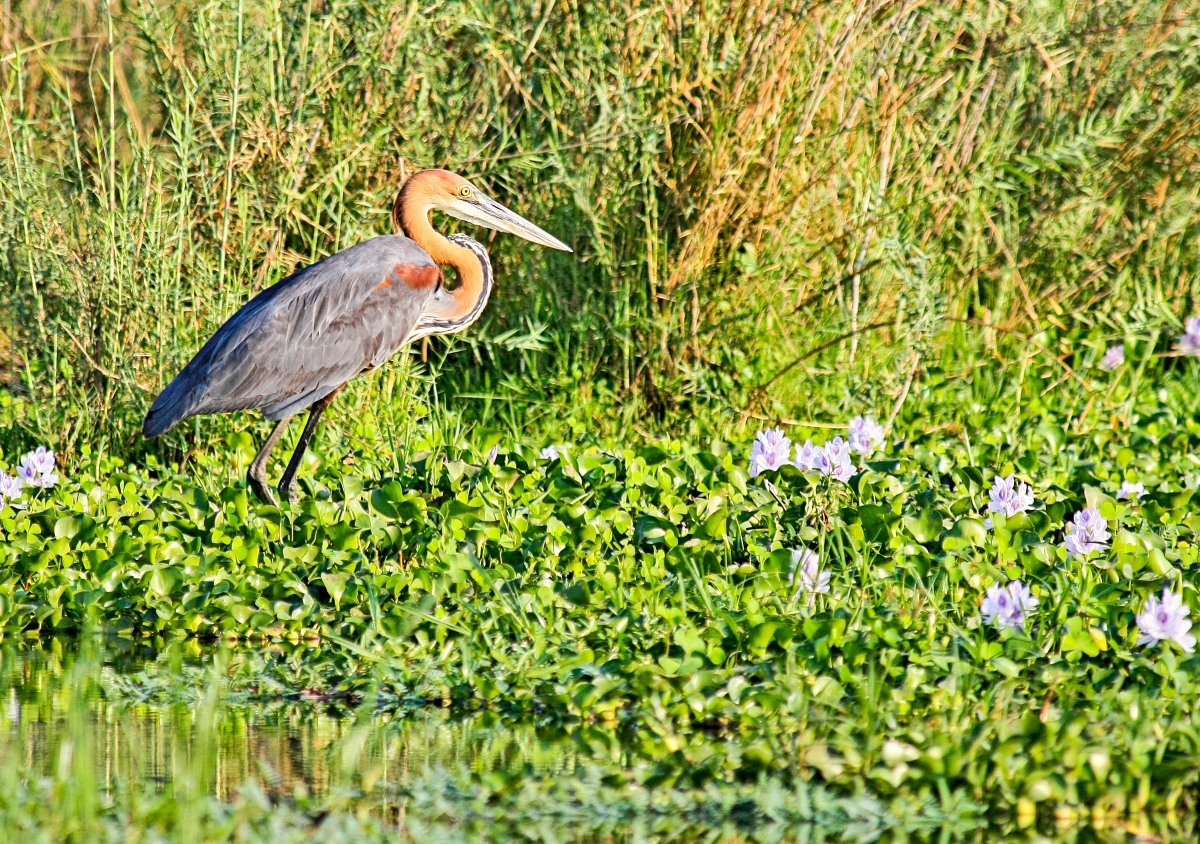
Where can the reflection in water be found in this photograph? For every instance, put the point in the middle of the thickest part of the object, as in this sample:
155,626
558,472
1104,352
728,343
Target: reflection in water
284,745
122,744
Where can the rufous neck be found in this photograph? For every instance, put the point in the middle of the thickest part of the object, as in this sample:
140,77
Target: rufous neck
410,215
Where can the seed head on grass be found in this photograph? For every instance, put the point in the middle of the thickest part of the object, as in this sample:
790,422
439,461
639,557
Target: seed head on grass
1131,491
1166,620
1086,532
866,435
1189,343
1008,606
1113,358
771,450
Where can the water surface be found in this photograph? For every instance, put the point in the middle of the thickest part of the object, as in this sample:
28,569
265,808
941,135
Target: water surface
91,734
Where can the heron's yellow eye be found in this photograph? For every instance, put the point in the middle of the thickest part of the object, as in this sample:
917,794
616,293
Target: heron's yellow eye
465,191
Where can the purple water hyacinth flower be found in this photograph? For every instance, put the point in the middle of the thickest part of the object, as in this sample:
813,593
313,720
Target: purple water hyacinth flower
550,452
843,471
771,450
1113,357
11,488
1024,601
808,565
866,435
46,481
802,559
1087,532
996,605
838,450
492,454
1166,620
833,459
806,456
1189,343
37,468
1008,497
1130,491
812,580
41,459
1007,606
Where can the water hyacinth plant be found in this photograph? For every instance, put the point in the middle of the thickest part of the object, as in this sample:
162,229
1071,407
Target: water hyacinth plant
833,460
1189,342
1166,621
550,452
1007,606
1131,491
812,580
772,450
37,468
866,435
1086,533
439,543
1009,497
1113,357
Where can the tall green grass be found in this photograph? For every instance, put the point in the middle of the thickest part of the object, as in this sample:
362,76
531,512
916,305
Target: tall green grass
743,183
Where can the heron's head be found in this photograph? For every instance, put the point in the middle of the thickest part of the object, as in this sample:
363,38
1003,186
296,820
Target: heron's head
450,193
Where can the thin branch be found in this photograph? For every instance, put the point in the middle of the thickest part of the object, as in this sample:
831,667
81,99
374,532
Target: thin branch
1026,339
801,423
912,373
829,288
761,389
824,291
83,351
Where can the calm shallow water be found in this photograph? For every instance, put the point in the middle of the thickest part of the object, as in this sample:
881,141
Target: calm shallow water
51,698
122,719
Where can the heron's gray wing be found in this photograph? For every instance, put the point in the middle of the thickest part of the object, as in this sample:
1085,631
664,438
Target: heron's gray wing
304,337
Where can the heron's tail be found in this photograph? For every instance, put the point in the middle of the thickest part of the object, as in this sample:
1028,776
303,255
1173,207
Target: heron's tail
174,404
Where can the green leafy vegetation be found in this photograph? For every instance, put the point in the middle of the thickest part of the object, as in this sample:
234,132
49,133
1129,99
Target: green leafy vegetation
782,214
645,596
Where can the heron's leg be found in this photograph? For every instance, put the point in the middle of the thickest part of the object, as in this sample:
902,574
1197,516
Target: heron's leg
287,484
257,476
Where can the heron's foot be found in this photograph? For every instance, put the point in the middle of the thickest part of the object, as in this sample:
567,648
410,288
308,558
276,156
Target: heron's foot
262,491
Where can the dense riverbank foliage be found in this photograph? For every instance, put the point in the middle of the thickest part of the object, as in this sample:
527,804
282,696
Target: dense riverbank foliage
944,218
742,183
648,597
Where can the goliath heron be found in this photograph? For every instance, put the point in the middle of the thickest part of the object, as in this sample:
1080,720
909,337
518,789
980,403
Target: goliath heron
298,342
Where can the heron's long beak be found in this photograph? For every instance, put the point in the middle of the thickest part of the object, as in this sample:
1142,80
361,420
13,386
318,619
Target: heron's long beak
492,215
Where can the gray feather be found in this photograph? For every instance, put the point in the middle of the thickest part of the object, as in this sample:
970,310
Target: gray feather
300,339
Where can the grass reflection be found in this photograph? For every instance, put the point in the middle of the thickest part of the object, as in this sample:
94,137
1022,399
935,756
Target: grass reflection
91,750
